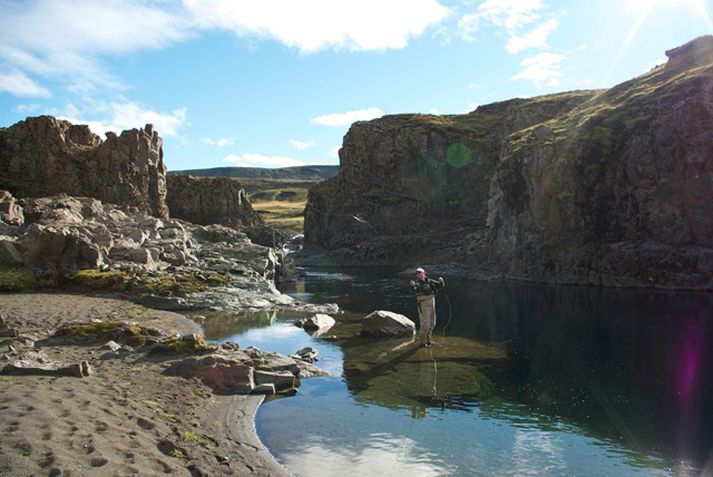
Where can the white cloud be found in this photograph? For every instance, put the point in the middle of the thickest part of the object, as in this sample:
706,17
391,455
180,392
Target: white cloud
119,116
510,15
71,39
535,38
27,108
19,84
260,160
301,145
543,69
66,38
222,142
348,117
314,25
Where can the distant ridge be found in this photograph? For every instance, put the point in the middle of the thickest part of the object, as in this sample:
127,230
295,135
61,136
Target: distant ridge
305,173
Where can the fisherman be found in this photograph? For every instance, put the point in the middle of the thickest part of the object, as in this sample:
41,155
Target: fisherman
425,289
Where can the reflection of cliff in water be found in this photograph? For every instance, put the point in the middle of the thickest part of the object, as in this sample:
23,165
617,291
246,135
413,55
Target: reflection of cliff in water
629,365
219,324
400,373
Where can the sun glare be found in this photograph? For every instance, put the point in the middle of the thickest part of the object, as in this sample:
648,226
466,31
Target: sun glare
642,9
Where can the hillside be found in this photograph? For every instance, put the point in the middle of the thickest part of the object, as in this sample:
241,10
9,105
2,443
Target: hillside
302,173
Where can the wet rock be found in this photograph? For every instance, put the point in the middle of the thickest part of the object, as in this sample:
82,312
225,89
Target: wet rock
281,380
319,321
382,323
265,388
308,354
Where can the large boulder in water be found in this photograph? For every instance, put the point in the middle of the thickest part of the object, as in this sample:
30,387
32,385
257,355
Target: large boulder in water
317,322
387,323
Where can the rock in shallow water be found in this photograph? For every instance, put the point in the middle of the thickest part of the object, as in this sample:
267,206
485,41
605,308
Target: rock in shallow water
387,324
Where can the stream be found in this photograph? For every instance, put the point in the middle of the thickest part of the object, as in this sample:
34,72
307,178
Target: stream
525,379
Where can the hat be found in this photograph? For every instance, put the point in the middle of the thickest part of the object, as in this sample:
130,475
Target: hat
420,270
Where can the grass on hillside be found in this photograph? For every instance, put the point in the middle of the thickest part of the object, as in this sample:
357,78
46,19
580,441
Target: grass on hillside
279,202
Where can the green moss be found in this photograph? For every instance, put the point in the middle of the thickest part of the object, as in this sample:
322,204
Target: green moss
111,280
188,436
16,278
164,284
131,334
177,454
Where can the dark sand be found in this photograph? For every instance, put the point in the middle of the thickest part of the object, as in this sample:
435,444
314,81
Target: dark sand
127,418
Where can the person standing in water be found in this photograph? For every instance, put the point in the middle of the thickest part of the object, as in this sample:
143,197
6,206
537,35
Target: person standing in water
425,289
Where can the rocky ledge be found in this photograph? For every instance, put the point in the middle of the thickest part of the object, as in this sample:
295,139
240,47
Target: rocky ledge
162,263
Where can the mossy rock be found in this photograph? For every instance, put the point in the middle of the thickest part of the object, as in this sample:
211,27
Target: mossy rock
164,284
187,344
110,280
16,278
131,334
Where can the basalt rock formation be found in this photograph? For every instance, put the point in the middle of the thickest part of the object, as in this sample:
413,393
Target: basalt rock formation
42,156
605,187
210,200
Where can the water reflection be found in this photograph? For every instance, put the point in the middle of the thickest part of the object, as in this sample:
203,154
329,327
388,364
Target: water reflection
529,380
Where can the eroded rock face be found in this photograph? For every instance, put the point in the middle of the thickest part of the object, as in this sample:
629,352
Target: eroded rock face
210,200
407,181
610,187
42,156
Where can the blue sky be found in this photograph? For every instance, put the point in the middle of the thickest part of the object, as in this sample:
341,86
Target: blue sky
273,83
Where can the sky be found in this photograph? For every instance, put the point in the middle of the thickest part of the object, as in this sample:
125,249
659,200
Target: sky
276,83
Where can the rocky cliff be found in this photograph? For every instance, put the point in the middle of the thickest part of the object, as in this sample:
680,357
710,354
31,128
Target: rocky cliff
43,156
600,187
210,200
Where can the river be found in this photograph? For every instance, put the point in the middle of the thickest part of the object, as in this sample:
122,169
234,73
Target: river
523,379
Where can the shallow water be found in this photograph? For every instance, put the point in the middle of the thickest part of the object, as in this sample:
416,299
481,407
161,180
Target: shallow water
528,380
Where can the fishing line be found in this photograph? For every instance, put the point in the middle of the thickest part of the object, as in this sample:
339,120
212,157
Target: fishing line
450,313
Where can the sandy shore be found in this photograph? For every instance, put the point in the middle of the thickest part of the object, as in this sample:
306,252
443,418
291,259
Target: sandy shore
127,418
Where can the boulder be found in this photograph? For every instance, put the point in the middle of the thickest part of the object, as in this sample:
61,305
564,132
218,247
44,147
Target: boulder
308,354
224,373
318,322
382,323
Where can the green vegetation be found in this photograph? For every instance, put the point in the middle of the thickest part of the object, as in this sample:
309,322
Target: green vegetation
131,334
279,202
177,344
165,284
16,278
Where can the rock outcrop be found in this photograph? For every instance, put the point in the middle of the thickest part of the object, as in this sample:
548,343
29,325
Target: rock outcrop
210,200
597,187
42,156
105,246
